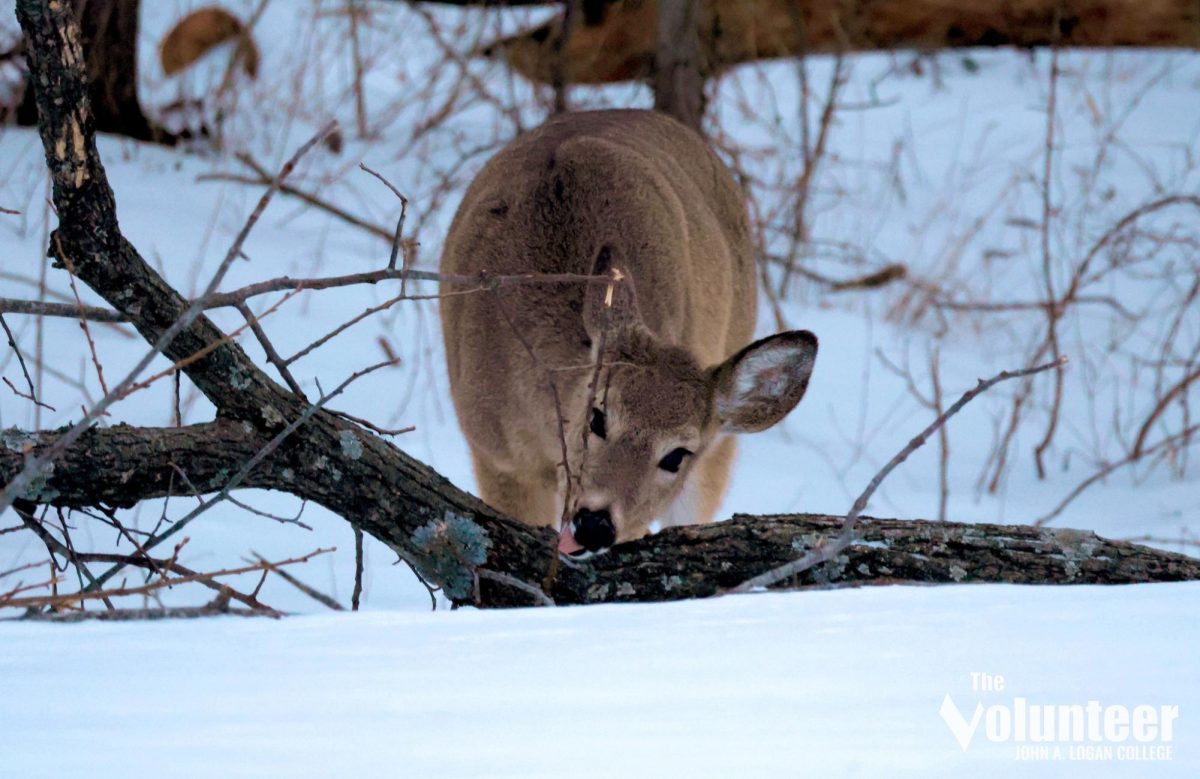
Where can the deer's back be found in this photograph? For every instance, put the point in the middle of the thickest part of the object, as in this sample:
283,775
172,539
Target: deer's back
637,182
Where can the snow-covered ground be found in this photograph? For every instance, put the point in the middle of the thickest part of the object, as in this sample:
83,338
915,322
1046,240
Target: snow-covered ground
841,683
847,682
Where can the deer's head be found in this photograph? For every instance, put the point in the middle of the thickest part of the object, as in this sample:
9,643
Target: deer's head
653,411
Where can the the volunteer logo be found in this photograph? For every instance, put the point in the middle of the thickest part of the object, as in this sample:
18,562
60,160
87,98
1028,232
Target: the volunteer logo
1039,730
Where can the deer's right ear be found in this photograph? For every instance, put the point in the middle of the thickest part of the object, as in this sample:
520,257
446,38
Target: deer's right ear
609,306
759,385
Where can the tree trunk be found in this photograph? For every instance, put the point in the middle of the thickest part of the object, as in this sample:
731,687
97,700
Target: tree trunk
617,41
109,35
680,69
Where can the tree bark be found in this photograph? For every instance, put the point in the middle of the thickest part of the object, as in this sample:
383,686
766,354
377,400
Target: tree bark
617,41
704,560
680,67
109,36
122,465
452,538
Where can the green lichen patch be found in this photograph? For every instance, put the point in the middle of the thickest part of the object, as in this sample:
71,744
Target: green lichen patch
448,550
16,440
39,490
239,380
352,448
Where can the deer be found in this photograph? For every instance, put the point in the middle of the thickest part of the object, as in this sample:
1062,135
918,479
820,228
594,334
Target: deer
600,407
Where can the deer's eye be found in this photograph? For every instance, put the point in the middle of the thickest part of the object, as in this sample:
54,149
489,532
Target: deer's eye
599,425
673,460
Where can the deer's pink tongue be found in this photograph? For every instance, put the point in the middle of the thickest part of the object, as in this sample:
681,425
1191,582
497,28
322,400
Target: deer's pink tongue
566,541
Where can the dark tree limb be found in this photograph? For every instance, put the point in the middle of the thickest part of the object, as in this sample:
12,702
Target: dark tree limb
700,561
680,65
122,465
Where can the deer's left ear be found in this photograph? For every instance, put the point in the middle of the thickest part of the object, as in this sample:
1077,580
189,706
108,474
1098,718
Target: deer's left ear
610,306
759,385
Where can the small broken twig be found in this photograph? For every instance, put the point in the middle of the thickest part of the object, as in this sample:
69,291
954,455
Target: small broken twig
399,235
356,596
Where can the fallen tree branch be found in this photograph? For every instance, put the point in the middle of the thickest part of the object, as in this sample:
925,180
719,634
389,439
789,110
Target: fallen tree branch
123,465
216,609
705,560
616,41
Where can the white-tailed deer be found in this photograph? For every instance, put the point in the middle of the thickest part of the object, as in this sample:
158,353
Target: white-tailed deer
637,197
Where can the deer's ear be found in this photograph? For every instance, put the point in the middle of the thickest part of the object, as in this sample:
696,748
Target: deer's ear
759,385
609,306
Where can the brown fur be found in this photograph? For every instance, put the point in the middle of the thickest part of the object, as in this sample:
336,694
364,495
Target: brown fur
584,193
201,31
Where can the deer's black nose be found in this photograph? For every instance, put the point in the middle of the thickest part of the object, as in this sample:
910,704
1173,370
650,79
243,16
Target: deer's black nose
594,530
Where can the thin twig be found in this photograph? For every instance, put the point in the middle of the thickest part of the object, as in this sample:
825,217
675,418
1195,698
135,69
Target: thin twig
158,584
550,385
812,158
1108,468
67,310
26,512
12,342
236,297
1160,407
217,608
358,569
593,388
353,9
827,551
559,79
83,322
390,431
539,596
269,349
308,590
1052,315
173,565
399,235
263,177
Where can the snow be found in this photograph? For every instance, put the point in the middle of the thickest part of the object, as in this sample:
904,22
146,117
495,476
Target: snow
840,682
837,683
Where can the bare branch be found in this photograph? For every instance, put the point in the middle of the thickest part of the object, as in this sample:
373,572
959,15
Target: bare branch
68,310
396,240
315,594
829,550
145,589
12,343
